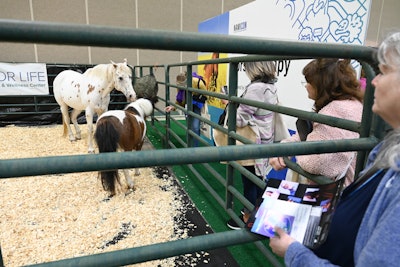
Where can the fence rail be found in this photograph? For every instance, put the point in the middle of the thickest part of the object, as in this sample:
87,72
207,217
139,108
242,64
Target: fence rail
81,35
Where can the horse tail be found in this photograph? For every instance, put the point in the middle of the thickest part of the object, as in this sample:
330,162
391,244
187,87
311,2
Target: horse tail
109,180
107,138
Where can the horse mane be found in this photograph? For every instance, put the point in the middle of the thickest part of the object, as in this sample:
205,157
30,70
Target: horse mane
99,70
110,71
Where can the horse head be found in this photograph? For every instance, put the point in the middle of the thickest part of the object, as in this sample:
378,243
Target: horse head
123,80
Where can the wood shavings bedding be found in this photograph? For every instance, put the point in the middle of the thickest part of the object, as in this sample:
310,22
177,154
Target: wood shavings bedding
53,217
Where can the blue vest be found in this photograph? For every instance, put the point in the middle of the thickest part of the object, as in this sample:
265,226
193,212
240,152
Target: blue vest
339,245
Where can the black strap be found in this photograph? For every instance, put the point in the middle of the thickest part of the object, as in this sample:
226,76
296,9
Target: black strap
198,82
304,127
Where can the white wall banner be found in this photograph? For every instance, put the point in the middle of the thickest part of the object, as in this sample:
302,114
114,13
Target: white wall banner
326,21
23,79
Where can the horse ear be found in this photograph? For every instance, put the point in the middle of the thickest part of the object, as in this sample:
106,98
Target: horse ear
125,61
115,64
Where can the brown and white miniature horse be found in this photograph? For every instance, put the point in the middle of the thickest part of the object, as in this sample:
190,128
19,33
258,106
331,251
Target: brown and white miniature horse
122,130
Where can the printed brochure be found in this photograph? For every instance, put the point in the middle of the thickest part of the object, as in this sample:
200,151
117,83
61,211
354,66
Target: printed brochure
303,211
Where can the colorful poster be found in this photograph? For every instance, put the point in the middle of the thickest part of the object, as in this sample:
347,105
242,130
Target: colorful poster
331,21
215,76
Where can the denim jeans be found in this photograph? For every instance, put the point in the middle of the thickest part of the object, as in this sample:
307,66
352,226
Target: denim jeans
196,124
251,191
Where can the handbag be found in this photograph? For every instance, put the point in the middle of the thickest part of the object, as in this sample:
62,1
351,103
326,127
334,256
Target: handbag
304,127
221,139
281,130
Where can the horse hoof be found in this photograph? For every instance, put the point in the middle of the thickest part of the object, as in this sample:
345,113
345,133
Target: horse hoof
107,199
132,188
130,191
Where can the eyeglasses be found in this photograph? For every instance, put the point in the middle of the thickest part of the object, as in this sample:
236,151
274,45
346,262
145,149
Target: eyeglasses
304,83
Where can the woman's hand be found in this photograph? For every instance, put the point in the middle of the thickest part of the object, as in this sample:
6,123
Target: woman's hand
280,242
169,108
277,163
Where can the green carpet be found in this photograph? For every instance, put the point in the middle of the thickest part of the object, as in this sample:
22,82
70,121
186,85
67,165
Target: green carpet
214,214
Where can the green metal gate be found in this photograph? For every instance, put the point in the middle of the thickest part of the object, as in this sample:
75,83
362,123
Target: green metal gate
370,128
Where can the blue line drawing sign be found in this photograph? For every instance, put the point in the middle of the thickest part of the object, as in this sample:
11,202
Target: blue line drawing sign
338,21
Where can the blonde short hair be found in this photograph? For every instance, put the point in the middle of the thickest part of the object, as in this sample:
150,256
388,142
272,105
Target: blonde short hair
181,79
264,70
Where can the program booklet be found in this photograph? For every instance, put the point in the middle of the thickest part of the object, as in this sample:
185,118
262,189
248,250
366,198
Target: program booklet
303,211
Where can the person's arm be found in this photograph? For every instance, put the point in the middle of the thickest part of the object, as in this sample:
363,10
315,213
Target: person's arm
277,162
169,108
294,253
377,239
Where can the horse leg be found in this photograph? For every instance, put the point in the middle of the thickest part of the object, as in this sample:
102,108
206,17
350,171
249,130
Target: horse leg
138,148
137,171
66,122
128,179
74,119
89,121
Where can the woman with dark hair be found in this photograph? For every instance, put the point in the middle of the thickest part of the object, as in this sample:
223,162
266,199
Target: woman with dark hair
335,89
331,79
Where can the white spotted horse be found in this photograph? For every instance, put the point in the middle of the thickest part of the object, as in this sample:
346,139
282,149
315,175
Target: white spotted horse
90,92
122,130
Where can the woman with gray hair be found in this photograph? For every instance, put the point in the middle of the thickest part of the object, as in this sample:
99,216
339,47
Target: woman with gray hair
375,237
262,88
